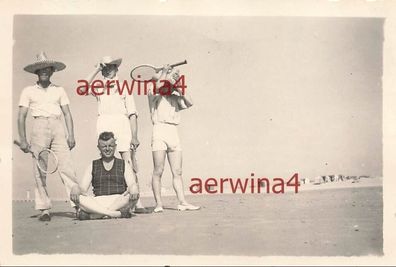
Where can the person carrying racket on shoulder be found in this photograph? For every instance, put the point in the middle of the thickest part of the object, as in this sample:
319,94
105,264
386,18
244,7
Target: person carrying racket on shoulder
117,113
47,103
165,106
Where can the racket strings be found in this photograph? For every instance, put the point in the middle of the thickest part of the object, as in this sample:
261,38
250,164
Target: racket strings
47,161
143,73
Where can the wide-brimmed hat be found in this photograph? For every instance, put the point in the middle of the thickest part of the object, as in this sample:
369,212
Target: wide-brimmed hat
42,62
108,60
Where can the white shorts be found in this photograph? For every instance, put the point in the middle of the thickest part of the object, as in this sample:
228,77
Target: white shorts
120,126
165,137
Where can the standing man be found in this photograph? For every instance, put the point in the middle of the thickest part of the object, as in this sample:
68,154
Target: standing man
113,182
47,102
165,106
117,113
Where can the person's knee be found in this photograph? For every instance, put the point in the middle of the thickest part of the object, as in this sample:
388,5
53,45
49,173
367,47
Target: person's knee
177,173
158,170
82,199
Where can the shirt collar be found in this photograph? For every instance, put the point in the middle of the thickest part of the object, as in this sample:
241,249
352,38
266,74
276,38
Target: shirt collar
37,85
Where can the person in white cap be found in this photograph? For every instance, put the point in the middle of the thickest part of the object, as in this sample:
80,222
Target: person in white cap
117,113
47,103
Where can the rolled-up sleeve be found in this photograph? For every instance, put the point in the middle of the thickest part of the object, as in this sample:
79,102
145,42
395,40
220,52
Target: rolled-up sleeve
64,99
24,100
130,105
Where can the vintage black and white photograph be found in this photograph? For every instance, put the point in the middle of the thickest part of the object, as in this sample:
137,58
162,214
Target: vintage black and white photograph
183,135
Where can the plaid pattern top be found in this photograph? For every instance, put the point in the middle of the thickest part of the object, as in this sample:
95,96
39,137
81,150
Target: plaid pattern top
108,182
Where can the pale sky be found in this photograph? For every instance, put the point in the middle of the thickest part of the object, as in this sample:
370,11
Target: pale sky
272,95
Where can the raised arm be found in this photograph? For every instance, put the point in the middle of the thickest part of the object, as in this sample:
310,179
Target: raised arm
163,76
90,78
184,100
92,75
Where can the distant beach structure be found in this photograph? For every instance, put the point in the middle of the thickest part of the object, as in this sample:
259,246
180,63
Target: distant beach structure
320,179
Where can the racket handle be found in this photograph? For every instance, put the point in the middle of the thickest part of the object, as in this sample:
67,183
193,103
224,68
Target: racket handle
178,64
16,142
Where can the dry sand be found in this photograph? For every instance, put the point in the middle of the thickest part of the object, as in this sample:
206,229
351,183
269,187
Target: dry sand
341,220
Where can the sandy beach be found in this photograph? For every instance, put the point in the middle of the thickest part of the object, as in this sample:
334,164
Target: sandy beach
335,219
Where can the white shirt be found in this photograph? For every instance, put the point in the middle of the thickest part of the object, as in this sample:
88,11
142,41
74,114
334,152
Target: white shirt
45,102
165,109
114,103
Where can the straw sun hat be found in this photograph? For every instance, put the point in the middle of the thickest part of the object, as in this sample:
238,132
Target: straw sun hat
42,62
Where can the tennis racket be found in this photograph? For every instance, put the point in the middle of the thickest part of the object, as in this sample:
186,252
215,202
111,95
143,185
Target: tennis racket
46,160
146,72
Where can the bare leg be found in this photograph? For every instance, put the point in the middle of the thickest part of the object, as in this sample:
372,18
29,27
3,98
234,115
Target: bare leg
127,156
175,162
159,163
